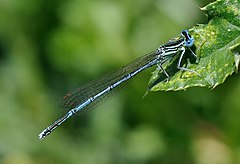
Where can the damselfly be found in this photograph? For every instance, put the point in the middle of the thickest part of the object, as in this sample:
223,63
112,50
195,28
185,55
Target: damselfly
89,95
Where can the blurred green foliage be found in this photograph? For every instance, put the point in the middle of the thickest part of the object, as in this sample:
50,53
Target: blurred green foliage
50,47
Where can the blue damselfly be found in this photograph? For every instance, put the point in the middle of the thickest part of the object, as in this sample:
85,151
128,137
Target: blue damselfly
89,95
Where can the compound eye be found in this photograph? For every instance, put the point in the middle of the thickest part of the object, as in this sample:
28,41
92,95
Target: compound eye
184,32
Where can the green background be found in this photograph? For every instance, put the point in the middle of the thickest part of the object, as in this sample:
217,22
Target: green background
48,48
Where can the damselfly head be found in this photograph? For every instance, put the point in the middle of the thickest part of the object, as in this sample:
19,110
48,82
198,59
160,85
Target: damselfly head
189,40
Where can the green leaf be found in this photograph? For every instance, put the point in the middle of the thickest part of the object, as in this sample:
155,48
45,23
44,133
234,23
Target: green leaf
217,46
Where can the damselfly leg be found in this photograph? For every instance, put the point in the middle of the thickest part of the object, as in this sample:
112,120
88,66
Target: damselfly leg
180,60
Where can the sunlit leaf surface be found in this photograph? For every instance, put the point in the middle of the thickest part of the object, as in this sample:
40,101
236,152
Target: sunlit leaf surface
217,47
